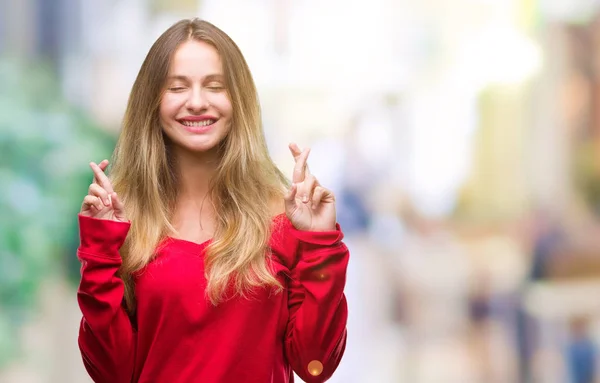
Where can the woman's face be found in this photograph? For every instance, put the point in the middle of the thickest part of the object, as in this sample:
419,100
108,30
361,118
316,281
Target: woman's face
195,110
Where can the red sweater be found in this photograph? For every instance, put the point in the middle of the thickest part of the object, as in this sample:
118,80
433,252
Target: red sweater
179,337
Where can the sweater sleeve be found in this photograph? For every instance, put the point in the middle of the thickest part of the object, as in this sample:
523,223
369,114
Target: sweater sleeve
106,336
316,330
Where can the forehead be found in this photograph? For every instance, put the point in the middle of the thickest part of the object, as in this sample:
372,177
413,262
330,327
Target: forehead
195,59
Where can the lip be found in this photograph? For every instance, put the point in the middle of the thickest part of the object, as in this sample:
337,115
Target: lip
197,118
198,129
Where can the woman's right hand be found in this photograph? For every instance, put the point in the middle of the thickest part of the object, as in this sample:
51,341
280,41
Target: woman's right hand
102,202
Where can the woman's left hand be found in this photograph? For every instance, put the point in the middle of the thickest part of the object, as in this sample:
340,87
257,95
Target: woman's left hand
308,205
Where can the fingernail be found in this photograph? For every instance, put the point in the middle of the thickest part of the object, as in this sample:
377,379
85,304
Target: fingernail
305,199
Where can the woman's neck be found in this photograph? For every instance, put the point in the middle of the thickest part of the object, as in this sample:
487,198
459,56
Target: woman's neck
195,172
194,214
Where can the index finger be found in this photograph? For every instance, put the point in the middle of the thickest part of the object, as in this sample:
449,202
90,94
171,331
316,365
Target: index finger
100,177
300,169
296,151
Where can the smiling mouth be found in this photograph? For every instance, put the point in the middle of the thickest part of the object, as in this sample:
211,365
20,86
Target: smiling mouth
196,124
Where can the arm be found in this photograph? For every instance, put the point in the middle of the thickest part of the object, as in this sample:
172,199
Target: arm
106,336
316,331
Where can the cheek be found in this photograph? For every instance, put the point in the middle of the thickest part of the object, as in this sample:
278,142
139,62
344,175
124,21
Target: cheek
221,101
162,111
169,106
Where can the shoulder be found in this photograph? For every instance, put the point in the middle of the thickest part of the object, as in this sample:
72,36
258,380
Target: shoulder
280,224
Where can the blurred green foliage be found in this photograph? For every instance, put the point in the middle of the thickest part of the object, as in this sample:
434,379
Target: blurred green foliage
45,147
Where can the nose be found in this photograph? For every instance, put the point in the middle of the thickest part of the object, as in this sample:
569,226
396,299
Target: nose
197,100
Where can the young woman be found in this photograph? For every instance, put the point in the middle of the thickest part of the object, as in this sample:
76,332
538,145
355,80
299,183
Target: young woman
200,262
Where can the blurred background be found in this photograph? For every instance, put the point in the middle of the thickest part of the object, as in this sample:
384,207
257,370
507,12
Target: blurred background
461,137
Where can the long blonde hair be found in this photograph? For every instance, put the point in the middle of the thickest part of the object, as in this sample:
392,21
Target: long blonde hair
242,190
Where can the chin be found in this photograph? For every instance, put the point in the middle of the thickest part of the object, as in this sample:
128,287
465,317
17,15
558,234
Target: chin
200,147
199,143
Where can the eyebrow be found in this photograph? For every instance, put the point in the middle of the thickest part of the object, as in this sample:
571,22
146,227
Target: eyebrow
210,77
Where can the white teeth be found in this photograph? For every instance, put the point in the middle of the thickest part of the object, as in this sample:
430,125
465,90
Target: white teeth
198,123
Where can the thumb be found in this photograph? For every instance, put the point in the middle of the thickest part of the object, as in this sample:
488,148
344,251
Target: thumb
117,204
290,199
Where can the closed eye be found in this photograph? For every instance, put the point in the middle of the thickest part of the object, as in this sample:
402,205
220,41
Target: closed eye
177,89
215,86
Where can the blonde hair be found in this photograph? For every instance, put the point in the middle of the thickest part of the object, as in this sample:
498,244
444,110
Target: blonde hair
242,191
